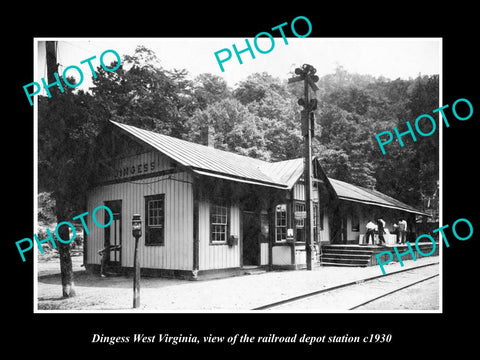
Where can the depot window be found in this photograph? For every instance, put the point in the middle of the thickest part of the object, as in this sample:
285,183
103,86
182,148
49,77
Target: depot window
300,223
155,220
281,223
218,223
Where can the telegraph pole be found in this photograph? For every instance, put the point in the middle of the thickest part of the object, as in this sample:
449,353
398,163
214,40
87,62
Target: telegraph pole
307,74
51,59
61,212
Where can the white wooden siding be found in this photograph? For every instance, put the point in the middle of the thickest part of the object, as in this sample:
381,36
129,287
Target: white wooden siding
352,235
177,251
299,192
281,255
218,256
325,233
300,255
138,165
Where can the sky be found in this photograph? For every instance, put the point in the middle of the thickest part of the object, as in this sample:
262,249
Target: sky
388,57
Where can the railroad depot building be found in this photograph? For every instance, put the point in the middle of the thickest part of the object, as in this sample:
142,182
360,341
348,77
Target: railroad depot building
207,212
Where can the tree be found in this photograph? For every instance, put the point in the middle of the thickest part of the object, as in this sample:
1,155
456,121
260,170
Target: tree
235,128
342,79
66,130
260,119
335,163
348,134
256,86
208,89
278,112
143,94
69,123
279,123
411,172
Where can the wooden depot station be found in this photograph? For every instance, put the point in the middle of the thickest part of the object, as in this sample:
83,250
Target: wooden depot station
208,213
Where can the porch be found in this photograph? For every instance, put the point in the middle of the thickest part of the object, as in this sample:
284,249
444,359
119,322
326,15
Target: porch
356,255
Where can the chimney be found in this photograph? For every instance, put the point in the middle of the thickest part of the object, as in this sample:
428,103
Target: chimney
208,136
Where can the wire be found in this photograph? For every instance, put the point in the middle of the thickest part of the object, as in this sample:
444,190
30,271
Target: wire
76,46
149,183
159,180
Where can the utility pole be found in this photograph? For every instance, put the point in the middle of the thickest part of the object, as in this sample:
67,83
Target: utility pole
61,208
51,58
307,74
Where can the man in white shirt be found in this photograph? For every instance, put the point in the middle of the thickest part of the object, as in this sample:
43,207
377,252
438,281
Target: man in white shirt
370,231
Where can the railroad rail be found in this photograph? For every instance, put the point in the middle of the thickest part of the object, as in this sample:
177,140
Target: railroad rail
393,291
350,284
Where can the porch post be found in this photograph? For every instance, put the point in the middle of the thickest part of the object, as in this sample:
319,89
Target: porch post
196,242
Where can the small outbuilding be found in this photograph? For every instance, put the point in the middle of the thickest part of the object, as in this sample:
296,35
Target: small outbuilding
208,212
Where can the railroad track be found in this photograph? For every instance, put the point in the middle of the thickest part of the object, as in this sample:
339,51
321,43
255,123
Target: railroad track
351,290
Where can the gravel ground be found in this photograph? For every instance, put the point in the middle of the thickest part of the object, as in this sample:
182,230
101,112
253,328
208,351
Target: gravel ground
241,293
350,297
422,296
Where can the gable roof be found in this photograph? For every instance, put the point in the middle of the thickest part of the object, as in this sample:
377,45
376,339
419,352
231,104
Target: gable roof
208,161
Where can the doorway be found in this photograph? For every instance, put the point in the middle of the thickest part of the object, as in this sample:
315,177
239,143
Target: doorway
338,227
251,234
113,234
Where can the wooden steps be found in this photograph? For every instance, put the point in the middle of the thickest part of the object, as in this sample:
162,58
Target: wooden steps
253,270
365,255
346,255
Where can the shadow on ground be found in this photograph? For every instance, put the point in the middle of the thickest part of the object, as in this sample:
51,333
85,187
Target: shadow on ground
83,278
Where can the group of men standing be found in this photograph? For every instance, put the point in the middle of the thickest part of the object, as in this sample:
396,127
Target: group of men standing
379,227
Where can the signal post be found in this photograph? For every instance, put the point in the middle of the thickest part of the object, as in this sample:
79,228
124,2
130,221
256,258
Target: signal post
307,74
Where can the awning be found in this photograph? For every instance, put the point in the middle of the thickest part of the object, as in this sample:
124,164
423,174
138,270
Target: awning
413,211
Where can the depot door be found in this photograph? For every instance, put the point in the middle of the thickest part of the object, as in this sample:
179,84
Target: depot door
251,234
113,233
338,227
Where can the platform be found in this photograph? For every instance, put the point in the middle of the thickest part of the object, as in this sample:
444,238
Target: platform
352,255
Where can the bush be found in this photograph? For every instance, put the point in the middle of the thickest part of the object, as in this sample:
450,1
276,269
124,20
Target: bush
48,247
46,208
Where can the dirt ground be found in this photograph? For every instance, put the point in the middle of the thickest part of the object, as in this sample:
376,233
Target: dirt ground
49,264
240,293
92,291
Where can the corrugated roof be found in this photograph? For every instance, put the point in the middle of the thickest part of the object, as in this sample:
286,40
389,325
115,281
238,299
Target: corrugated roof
287,172
346,191
209,161
201,157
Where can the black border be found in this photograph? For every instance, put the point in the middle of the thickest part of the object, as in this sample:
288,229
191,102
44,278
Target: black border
412,333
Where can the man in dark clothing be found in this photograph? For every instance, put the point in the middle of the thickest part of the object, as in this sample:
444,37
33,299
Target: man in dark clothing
381,225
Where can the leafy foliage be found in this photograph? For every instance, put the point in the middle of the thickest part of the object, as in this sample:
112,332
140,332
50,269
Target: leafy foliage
260,118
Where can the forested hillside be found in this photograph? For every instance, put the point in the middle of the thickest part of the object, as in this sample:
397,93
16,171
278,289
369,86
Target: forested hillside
258,117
